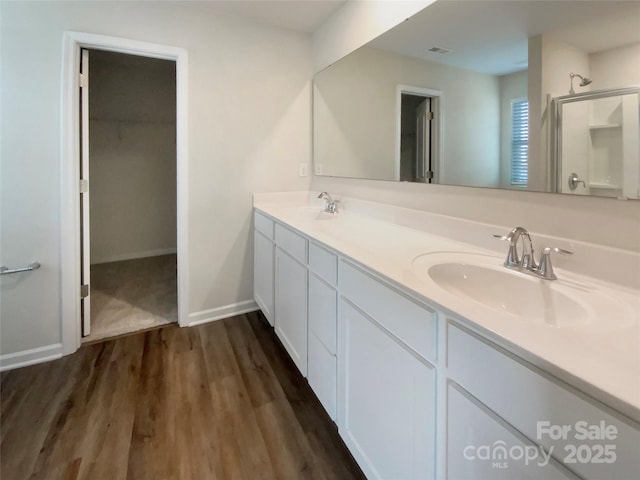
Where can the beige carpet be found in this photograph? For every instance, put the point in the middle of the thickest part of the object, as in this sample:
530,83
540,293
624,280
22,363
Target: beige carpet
132,295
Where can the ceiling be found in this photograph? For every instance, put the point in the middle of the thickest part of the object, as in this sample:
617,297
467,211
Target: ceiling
300,15
489,36
492,36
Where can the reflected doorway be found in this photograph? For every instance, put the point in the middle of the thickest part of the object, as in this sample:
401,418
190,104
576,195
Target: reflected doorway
418,135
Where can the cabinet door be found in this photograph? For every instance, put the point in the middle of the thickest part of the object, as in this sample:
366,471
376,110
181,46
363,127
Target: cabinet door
386,400
323,311
291,308
263,280
322,342
534,402
482,446
322,374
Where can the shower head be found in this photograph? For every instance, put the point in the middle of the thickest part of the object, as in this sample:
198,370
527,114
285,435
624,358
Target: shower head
584,81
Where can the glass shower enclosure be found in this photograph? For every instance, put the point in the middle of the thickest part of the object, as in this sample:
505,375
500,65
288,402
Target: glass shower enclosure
595,143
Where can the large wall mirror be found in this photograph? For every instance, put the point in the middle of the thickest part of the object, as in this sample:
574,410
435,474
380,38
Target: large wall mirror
529,95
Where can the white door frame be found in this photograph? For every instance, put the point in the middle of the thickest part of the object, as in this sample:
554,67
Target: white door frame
437,106
70,158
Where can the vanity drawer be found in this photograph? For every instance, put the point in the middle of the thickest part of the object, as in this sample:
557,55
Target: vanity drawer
412,323
263,224
532,401
323,263
471,428
292,243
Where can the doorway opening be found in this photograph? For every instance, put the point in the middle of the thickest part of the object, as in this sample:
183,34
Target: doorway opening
128,196
417,150
76,234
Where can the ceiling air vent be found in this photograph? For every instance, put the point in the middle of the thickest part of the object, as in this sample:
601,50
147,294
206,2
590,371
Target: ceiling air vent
439,50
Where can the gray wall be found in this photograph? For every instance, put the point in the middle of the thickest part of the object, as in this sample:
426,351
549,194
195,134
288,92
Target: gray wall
132,156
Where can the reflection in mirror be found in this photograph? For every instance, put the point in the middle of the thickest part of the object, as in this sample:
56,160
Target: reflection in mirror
460,94
597,143
418,155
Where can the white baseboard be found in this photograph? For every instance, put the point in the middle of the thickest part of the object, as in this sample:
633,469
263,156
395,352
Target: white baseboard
219,313
24,358
132,256
30,357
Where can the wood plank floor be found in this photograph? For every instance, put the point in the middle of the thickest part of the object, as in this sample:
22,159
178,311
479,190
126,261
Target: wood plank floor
217,401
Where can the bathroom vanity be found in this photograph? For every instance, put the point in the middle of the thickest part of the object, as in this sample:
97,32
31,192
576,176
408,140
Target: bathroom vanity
437,362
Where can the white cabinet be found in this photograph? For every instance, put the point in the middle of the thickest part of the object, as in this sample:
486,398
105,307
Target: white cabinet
291,296
322,374
537,405
480,446
386,377
263,265
322,311
393,310
322,326
386,400
407,385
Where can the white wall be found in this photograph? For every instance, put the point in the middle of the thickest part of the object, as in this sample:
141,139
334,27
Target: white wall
249,128
355,24
132,144
355,114
603,221
618,67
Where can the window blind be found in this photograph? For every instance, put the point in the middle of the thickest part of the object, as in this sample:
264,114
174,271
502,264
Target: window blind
519,142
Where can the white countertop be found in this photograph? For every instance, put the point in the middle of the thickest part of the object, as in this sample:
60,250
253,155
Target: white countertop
601,359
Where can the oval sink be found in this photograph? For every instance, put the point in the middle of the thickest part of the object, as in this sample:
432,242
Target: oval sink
526,297
312,213
562,303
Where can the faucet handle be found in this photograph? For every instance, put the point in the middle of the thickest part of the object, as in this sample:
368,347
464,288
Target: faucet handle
545,269
513,259
561,251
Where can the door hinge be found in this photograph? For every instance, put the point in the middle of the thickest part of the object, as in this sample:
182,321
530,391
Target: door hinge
84,291
429,174
83,80
84,186
429,115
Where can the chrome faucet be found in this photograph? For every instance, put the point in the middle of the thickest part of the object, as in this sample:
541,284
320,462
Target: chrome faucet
527,263
332,206
513,260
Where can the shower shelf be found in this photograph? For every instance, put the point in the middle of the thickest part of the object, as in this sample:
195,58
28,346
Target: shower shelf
607,186
604,126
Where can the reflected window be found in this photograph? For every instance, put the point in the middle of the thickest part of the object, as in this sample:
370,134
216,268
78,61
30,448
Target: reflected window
519,142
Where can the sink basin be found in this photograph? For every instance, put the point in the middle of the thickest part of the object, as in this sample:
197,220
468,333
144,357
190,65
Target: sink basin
484,280
312,213
526,297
